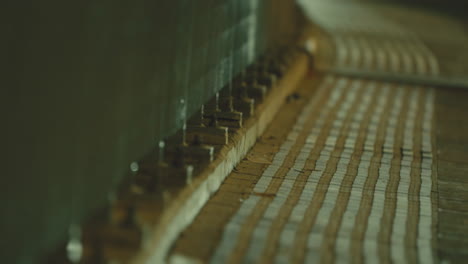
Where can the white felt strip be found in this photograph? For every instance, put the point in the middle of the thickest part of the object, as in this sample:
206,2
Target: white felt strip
380,58
356,52
341,50
424,240
260,234
316,236
368,53
397,239
412,48
343,242
299,210
231,230
393,55
373,224
406,58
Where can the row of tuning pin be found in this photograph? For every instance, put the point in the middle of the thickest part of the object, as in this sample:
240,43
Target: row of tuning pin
154,181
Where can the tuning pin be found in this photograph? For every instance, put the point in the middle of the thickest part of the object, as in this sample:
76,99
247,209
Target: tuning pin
207,135
266,78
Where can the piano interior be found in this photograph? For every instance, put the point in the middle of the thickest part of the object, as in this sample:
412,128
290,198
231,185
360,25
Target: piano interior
235,131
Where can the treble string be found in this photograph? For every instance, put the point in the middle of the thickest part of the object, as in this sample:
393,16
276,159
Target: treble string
214,52
231,28
188,62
